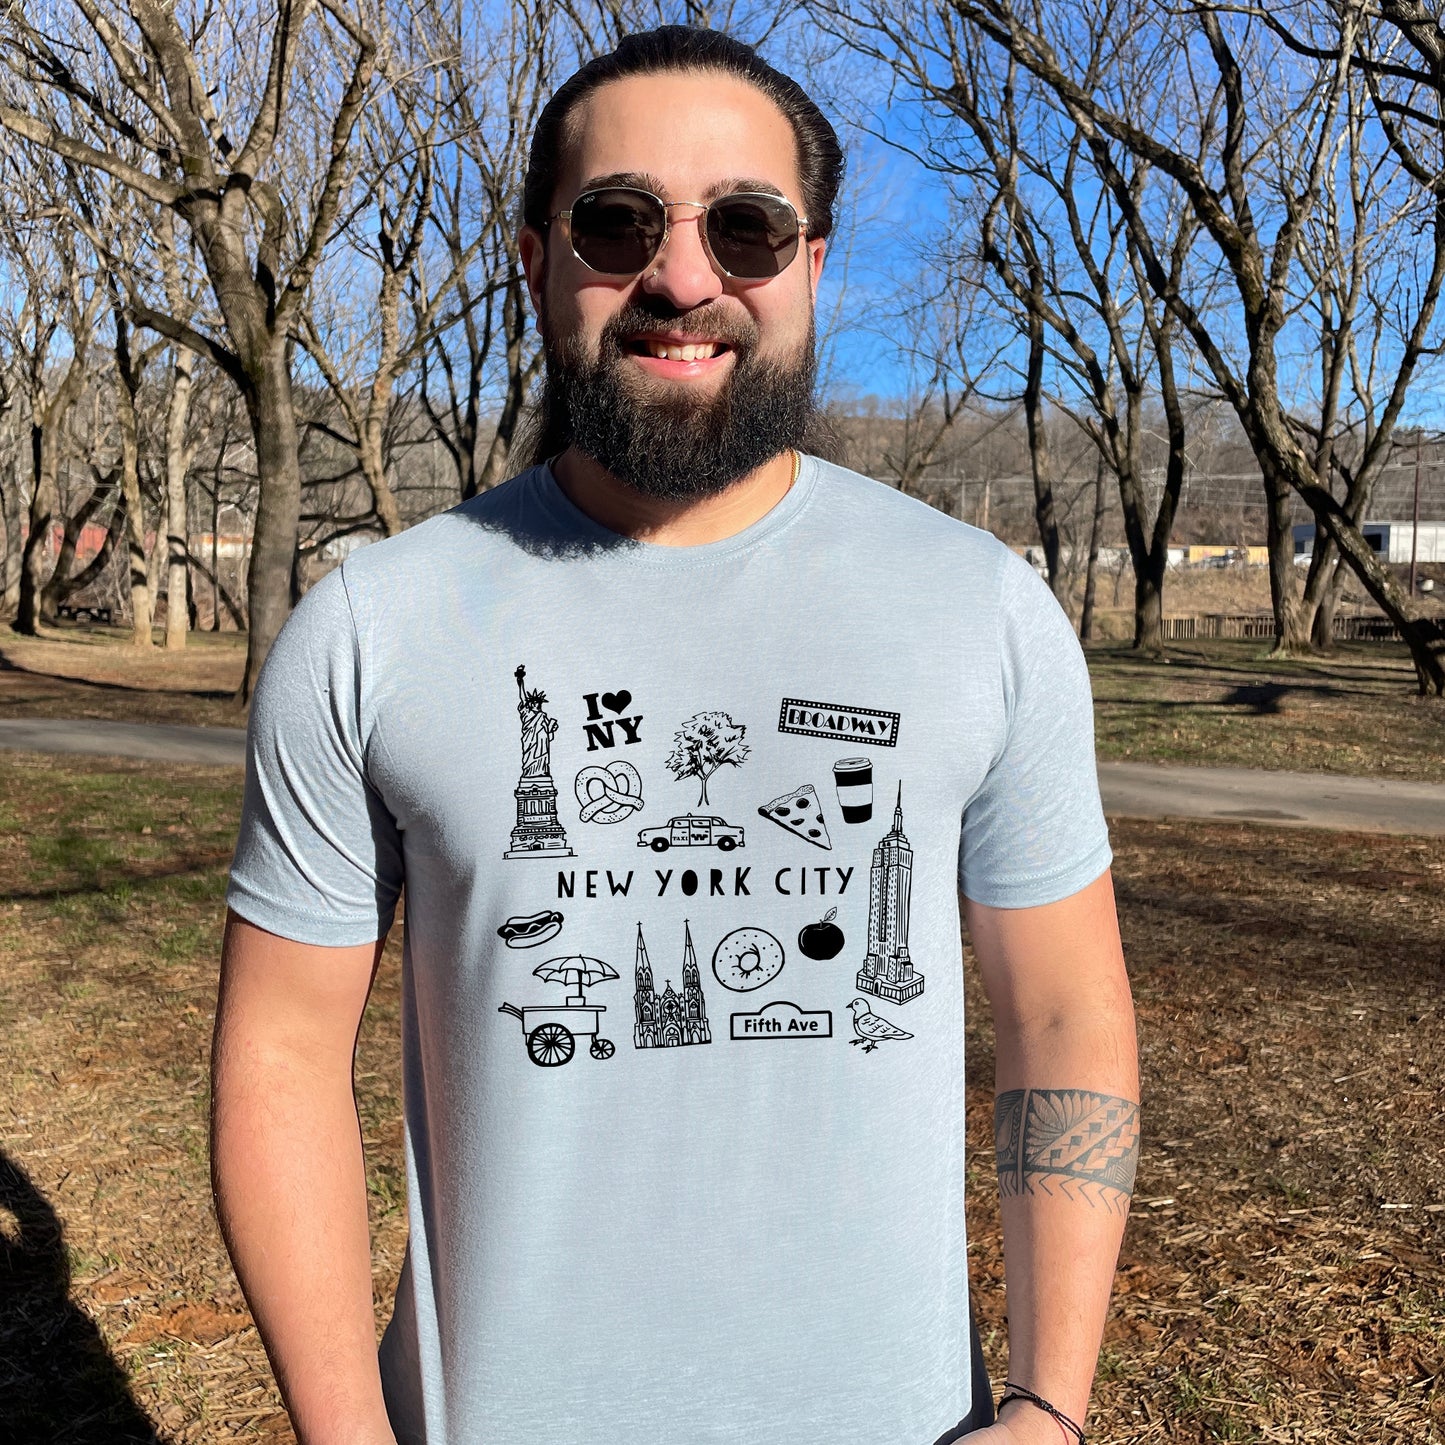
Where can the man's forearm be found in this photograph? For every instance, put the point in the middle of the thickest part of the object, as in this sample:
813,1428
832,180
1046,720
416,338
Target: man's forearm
1067,1137
290,1191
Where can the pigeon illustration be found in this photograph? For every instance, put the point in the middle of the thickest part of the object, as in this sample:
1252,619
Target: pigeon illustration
871,1029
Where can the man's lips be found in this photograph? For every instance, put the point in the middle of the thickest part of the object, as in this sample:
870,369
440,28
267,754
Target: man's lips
679,356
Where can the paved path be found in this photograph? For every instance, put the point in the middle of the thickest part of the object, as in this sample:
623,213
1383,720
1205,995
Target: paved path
1315,800
1131,790
162,742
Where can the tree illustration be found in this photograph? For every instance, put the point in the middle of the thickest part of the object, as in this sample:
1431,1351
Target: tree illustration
703,744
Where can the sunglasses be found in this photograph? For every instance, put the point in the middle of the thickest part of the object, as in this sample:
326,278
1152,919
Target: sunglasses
619,231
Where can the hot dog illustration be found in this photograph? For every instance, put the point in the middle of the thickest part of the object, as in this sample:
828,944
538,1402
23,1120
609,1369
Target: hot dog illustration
527,930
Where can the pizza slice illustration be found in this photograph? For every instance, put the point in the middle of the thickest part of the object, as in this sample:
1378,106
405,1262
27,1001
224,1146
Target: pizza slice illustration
799,812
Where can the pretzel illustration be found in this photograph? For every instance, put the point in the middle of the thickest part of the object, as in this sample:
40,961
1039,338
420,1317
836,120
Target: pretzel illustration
609,794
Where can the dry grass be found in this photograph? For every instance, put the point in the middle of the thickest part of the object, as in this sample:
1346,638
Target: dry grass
119,1314
1281,1279
93,672
1282,1276
1230,703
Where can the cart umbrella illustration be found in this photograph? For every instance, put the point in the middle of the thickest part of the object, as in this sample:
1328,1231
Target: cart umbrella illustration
551,1031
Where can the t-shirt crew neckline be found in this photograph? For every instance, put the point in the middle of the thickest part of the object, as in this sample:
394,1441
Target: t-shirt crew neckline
555,502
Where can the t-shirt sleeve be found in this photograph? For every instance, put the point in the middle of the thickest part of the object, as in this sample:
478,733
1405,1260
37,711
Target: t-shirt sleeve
1034,832
319,857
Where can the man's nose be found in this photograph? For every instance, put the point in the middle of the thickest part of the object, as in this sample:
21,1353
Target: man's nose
682,271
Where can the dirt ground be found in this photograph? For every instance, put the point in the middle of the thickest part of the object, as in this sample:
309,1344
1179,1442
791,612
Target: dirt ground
1282,1275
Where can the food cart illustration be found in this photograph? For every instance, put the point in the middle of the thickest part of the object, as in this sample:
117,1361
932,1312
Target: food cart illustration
551,1031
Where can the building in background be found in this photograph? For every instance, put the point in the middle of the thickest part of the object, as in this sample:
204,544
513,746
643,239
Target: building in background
1392,541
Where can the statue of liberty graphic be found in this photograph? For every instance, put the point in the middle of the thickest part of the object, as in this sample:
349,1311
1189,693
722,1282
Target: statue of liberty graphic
538,833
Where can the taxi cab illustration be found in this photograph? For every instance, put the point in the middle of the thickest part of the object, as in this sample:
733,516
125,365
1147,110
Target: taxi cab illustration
691,830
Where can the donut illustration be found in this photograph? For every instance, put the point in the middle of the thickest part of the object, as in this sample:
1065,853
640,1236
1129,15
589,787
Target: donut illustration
746,959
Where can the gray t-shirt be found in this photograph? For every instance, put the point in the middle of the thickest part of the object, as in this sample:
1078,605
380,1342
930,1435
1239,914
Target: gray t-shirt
682,832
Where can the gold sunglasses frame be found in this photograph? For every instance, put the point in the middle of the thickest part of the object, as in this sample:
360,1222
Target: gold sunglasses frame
667,208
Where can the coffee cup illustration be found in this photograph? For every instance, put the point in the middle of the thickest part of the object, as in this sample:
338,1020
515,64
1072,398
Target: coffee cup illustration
853,777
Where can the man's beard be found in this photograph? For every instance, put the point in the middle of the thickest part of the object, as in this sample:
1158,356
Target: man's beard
664,440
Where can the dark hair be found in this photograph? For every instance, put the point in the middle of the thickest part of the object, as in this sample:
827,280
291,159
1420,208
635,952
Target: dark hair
688,47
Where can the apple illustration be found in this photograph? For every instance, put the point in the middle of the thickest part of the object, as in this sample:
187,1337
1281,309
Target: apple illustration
823,939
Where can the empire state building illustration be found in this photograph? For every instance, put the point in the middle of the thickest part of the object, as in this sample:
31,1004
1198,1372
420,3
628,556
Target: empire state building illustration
672,1019
888,971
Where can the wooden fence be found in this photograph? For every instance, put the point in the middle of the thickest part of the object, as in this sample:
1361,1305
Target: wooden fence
1349,627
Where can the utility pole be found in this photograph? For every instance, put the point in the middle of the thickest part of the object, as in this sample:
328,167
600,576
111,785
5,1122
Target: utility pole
1415,529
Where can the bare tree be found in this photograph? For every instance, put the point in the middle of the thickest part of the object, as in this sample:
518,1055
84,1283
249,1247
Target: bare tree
61,297
143,110
1093,340
180,447
482,356
11,448
363,344
1256,234
1363,269
951,347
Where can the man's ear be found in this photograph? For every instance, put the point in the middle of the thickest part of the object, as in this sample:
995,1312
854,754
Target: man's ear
816,250
532,247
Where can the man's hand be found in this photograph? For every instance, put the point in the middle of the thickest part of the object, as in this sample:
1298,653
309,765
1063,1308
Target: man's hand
1021,1424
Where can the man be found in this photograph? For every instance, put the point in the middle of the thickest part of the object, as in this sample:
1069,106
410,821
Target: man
682,746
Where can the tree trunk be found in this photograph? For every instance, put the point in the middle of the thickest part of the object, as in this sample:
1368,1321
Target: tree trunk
278,508
33,570
1149,603
14,542
125,394
1325,582
1322,622
373,468
1149,562
177,514
46,428
1039,456
519,377
1149,610
1323,576
1091,576
1291,630
95,568
1423,634
220,597
135,525
61,583
216,560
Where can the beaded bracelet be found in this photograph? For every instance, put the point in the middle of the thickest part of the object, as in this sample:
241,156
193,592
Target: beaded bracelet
1018,1392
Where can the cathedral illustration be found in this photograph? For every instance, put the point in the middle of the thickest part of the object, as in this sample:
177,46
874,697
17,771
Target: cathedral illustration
888,971
672,1019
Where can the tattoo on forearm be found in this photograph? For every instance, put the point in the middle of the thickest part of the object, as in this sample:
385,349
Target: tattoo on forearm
1072,1142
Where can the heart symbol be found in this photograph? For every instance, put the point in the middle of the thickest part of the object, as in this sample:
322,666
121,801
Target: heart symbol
616,701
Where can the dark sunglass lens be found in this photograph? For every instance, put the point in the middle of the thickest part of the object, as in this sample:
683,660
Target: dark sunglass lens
617,231
752,236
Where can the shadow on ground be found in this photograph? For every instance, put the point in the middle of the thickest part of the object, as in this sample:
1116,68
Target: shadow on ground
9,664
59,1383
